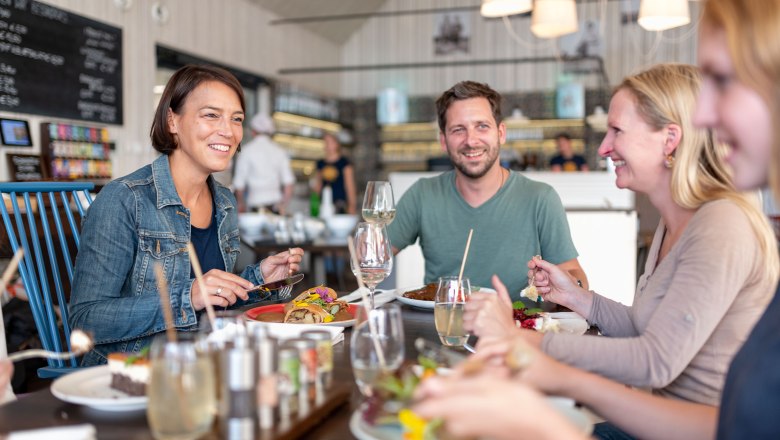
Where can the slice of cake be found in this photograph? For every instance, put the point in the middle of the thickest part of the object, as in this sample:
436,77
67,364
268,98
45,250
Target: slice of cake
129,372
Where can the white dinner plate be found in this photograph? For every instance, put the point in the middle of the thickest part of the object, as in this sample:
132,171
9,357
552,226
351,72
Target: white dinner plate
420,304
570,322
363,431
91,387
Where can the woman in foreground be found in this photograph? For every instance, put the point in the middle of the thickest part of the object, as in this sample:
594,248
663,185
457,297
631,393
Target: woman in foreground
739,55
145,220
712,247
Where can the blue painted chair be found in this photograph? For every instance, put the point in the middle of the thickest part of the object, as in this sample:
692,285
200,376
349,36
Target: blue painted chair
37,226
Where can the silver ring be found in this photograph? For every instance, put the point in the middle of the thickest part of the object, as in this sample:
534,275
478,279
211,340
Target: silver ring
219,291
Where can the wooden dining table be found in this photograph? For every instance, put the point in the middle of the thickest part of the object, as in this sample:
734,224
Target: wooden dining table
41,409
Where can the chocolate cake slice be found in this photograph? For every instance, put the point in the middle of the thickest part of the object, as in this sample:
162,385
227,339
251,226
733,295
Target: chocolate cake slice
129,373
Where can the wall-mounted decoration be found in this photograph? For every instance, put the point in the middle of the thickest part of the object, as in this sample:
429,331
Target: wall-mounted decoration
15,133
629,11
586,42
570,100
452,33
392,107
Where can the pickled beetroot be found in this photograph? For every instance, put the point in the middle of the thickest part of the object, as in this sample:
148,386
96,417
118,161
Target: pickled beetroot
526,317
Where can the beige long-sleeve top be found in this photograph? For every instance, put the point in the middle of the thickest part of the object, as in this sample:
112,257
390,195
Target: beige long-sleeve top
690,315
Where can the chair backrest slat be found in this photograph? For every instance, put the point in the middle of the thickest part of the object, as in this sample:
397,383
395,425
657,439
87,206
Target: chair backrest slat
41,272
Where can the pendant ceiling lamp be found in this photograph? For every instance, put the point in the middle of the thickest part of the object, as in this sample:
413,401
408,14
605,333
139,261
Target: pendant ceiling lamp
501,8
659,15
553,18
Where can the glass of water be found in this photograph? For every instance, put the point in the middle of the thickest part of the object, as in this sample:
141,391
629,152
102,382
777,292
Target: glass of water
182,390
450,300
377,345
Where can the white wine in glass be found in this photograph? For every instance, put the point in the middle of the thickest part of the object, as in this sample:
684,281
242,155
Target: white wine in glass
449,303
378,203
374,255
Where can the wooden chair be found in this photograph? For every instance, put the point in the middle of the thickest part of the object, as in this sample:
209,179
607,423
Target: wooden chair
39,217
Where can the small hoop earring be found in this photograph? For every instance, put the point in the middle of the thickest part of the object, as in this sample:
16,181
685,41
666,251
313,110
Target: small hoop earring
669,162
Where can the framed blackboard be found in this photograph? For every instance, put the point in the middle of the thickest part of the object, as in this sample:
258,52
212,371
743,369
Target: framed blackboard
25,167
56,63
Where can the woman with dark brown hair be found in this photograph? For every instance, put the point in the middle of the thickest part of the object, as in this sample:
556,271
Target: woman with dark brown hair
146,218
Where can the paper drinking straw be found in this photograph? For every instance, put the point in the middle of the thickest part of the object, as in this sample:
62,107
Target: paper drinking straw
165,302
460,277
366,304
201,284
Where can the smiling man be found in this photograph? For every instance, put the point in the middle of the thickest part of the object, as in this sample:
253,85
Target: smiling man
514,218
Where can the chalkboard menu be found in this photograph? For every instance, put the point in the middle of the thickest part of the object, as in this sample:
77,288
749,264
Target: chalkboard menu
60,64
25,167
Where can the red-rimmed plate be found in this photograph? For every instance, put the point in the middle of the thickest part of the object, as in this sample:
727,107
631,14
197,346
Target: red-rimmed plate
279,308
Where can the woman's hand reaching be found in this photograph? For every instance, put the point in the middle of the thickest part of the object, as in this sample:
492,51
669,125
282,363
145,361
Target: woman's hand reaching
558,286
465,403
490,315
281,265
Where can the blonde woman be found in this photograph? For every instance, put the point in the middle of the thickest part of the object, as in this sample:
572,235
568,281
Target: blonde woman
739,55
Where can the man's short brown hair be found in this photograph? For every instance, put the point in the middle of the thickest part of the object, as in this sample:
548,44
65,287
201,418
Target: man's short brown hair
467,90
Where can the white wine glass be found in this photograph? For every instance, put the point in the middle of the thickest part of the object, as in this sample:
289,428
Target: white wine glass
374,255
379,203
376,346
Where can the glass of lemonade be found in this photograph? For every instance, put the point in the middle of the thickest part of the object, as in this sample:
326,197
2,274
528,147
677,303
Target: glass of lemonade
381,330
182,388
448,308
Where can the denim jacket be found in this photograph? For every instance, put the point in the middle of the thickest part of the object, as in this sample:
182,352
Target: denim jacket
136,222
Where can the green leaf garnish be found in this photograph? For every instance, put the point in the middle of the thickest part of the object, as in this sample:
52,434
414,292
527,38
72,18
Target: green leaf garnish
534,311
427,363
518,305
144,353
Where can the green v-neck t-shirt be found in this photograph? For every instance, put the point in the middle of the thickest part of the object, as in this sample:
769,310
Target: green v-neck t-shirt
524,218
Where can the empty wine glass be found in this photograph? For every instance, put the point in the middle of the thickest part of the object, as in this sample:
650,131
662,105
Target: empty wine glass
378,203
374,255
377,345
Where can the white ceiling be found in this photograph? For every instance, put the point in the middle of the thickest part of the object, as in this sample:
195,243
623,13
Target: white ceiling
337,31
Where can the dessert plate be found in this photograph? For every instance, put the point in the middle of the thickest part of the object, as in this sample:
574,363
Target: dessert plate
422,304
91,387
279,308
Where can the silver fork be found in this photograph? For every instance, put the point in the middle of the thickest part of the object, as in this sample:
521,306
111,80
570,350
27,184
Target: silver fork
286,291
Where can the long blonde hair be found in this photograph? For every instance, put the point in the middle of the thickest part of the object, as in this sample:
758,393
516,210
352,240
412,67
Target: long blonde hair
752,29
666,94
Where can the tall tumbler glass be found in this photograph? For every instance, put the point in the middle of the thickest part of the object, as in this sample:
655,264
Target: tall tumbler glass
448,308
182,389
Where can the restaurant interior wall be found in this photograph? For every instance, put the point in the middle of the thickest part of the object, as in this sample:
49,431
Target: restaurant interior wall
234,32
409,39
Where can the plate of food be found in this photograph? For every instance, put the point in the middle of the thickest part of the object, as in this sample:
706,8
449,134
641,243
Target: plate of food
422,297
386,416
560,322
319,305
99,387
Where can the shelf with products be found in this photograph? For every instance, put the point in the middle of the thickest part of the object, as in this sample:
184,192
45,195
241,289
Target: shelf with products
301,136
406,147
75,152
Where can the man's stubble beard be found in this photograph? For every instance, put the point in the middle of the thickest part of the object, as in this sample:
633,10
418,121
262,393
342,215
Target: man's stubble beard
493,153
